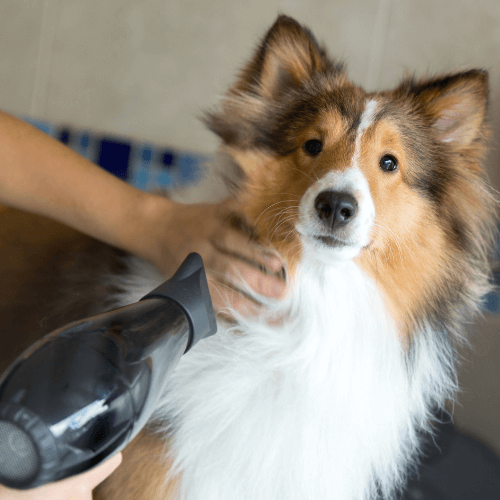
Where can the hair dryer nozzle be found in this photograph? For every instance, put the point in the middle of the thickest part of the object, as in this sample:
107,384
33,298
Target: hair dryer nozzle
188,287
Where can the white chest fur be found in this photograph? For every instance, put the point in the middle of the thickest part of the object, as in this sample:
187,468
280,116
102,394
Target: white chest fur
325,405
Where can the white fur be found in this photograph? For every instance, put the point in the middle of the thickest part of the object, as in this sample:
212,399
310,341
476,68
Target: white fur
140,279
367,116
366,121
323,405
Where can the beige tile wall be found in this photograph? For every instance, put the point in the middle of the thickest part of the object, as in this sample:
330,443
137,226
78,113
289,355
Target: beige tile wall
146,68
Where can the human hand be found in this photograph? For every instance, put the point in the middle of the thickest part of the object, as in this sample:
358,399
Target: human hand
230,254
73,488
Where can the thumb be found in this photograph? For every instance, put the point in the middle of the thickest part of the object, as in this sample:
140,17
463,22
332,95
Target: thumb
72,488
92,478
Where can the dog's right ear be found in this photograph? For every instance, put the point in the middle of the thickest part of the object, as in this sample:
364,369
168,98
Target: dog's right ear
288,56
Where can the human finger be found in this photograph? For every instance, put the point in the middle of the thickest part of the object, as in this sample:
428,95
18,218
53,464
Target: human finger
226,298
76,487
240,246
73,488
90,479
268,285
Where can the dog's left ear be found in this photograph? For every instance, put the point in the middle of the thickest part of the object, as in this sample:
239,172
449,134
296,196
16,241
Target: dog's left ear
455,105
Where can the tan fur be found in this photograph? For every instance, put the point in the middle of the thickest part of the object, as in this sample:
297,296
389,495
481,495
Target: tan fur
51,276
142,474
269,202
404,222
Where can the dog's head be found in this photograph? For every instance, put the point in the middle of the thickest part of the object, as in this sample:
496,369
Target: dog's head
390,179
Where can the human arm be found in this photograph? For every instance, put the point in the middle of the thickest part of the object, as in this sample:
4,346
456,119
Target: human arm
41,175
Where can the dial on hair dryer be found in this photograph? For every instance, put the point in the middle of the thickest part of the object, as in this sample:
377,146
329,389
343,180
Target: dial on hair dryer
84,391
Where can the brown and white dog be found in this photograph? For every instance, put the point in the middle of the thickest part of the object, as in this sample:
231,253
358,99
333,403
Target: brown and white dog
379,206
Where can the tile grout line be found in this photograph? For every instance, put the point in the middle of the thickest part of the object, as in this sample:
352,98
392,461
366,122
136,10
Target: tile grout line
379,38
39,96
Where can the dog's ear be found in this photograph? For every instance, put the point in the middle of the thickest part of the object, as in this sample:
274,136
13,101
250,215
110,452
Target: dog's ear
288,56
455,105
284,62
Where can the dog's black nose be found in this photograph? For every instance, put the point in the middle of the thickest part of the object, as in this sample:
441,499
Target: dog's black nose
335,208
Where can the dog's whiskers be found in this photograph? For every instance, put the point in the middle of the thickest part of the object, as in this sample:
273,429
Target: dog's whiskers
280,213
284,218
273,205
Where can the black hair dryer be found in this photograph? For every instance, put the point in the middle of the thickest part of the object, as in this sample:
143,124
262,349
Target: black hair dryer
84,391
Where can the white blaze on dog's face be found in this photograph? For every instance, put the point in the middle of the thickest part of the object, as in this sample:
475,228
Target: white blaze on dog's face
336,213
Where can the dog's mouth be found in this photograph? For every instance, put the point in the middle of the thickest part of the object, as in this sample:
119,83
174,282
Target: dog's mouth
323,240
332,241
330,244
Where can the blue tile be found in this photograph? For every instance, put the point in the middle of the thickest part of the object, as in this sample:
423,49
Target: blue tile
42,125
146,155
139,169
168,158
114,157
84,141
65,135
140,178
165,179
189,168
492,302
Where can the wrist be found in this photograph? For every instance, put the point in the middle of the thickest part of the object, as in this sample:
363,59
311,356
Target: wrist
154,223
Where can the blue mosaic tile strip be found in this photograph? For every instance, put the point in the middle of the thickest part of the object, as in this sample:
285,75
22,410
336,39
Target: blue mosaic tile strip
143,165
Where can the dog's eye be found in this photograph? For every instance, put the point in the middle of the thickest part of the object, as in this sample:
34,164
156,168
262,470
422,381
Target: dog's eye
388,163
313,147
